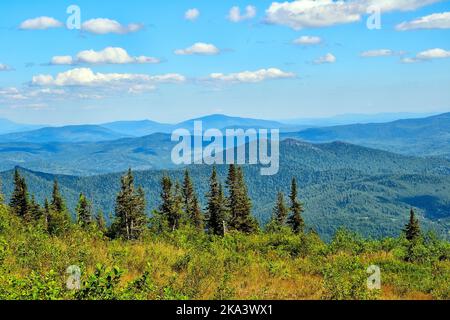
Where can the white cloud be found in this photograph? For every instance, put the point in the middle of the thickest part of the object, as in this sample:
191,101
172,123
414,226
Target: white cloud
322,13
199,48
40,23
110,55
433,21
4,67
307,40
252,76
377,53
328,58
436,53
428,55
61,60
86,77
105,26
409,60
235,14
192,14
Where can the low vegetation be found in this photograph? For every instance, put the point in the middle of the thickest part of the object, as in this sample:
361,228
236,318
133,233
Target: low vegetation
180,252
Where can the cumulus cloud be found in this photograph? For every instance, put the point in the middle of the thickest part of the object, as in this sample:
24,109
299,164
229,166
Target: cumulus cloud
433,21
427,55
86,77
301,14
252,76
199,48
110,55
377,53
235,14
192,14
40,23
328,58
307,40
105,26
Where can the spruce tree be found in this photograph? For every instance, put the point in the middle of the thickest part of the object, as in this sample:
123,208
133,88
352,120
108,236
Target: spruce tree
216,207
167,207
100,221
280,211
2,197
295,220
196,215
36,211
84,211
19,202
58,203
191,205
412,229
130,220
239,203
58,219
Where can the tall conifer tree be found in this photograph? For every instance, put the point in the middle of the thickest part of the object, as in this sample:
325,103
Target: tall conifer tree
19,200
296,220
216,207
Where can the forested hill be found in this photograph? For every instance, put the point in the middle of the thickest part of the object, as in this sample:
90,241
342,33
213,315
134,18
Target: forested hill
366,190
423,136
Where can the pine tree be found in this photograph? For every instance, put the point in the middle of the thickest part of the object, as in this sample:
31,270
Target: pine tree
191,205
295,220
131,219
84,211
280,211
19,202
412,229
216,208
239,203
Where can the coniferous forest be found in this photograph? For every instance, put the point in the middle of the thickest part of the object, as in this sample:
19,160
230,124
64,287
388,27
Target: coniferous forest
185,250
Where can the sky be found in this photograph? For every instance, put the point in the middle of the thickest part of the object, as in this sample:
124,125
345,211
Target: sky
173,60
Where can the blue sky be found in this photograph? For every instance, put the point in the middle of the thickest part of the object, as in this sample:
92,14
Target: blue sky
245,64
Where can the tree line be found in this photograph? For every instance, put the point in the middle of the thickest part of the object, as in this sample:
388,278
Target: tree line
228,208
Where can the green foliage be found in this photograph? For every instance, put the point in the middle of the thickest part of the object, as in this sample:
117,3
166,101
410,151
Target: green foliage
345,278
101,285
217,214
130,220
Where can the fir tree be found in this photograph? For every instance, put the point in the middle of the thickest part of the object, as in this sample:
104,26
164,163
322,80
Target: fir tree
2,197
84,211
280,211
19,202
412,229
130,219
58,219
166,209
216,207
295,220
100,221
58,203
196,215
191,205
35,209
239,203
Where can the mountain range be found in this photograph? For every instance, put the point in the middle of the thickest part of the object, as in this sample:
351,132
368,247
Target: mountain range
364,189
362,176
